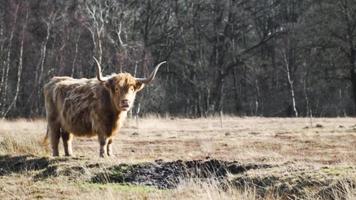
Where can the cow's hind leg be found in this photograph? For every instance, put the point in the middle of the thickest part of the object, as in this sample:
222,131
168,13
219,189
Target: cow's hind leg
109,147
54,135
67,143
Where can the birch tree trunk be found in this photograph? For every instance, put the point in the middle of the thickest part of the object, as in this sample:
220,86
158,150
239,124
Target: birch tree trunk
6,69
37,93
75,55
290,83
19,69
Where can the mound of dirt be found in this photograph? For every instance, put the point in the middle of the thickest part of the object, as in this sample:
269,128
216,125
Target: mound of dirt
289,180
168,174
158,174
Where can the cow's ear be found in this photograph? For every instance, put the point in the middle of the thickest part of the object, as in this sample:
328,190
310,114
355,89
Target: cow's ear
110,85
139,86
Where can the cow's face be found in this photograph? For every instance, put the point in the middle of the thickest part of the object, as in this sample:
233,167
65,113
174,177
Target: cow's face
123,88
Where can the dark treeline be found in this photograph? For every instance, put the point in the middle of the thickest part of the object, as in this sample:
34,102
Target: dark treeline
243,57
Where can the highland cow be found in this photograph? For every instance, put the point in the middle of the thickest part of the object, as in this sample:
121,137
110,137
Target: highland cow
90,107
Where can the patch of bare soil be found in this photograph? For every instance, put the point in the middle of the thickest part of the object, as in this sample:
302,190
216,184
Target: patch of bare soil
168,174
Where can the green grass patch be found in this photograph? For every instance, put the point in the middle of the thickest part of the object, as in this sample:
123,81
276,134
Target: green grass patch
120,187
339,171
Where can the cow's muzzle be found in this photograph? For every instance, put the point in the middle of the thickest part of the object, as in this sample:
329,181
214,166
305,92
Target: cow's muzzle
124,104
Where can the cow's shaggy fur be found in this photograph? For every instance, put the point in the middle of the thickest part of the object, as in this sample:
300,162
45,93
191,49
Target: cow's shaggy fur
88,107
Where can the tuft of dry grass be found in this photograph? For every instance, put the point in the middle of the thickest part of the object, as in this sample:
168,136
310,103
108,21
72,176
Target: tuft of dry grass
25,145
211,189
22,137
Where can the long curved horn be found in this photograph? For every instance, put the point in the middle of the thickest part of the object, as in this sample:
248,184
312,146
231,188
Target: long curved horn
152,75
99,76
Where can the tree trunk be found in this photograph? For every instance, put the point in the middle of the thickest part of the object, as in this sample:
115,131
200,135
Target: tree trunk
353,76
75,55
257,102
290,85
236,93
19,70
40,69
218,93
6,69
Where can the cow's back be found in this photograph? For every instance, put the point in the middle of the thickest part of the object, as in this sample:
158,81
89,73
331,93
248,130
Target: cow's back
71,102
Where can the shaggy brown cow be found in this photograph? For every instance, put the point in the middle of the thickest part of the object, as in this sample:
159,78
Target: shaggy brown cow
89,107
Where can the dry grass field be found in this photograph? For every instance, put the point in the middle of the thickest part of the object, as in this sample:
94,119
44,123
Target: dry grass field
173,158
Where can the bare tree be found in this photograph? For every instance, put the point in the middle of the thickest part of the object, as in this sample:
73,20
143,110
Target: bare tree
97,13
19,68
7,62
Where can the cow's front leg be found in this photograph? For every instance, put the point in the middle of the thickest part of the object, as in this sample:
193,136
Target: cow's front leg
103,141
109,147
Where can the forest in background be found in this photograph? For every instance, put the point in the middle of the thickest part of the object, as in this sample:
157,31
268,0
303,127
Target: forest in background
240,57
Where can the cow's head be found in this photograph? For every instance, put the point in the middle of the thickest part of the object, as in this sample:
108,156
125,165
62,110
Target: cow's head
123,86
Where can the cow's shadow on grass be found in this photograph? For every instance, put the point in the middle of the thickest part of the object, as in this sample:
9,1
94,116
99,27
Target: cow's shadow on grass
43,167
23,163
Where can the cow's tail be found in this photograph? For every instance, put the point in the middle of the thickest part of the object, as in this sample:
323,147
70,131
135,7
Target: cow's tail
45,139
